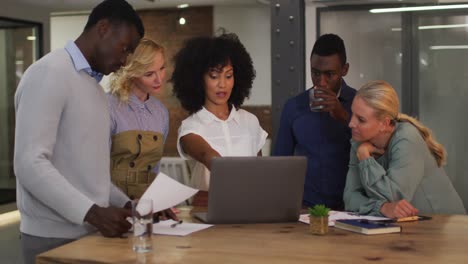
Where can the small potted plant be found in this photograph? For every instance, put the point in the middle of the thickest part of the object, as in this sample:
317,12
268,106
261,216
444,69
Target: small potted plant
318,216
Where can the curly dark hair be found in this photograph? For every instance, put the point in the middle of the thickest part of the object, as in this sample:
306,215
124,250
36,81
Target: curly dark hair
201,54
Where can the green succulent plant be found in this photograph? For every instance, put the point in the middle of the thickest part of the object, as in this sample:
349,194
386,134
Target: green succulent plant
319,210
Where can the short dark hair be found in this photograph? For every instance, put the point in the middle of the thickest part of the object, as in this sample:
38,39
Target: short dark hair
330,44
198,56
116,11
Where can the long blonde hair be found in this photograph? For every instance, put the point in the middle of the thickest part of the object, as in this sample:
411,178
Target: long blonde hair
381,96
137,64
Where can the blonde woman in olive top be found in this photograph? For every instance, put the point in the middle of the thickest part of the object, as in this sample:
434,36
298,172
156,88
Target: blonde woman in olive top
395,166
139,121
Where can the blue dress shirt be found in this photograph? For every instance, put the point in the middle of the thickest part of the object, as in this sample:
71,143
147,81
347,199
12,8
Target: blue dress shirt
80,61
324,141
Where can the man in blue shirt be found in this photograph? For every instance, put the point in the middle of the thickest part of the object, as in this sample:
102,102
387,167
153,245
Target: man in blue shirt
322,136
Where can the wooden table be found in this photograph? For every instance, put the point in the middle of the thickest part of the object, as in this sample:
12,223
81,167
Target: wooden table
444,239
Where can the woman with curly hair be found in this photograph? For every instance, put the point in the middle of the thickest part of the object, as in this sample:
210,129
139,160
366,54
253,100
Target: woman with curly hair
139,121
212,77
396,166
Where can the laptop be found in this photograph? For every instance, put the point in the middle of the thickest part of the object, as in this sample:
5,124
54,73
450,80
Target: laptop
255,190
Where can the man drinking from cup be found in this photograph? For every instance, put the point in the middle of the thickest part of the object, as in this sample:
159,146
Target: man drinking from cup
314,124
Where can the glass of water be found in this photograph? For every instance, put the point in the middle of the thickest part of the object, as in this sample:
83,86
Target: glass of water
312,99
142,214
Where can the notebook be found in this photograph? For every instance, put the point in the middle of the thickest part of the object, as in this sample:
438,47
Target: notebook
367,227
255,190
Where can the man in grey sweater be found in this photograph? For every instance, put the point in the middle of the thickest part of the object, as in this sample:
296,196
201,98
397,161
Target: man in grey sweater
61,158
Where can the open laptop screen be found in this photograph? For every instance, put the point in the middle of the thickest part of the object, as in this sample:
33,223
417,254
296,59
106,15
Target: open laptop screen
255,190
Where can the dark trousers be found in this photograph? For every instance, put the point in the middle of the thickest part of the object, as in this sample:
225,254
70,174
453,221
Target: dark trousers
32,246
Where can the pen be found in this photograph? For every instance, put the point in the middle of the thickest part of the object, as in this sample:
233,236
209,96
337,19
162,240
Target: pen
176,223
400,220
407,219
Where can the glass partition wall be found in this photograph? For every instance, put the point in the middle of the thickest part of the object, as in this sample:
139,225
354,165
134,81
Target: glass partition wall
442,42
373,44
424,55
20,46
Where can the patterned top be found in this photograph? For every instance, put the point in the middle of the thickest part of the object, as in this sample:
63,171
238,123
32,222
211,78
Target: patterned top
150,115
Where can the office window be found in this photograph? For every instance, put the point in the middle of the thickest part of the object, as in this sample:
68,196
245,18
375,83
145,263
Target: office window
443,91
373,44
428,49
19,48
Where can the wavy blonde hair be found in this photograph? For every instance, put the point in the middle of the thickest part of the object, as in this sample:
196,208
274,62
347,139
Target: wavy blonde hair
381,96
137,64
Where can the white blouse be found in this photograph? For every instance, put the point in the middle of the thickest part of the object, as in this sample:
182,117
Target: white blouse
239,135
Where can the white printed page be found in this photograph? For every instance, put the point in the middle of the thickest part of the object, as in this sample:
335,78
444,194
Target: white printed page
183,229
166,192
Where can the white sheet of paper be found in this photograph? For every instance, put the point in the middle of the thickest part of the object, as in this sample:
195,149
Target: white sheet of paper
166,192
335,215
164,228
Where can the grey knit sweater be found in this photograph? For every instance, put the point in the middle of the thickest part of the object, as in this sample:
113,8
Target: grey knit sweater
61,156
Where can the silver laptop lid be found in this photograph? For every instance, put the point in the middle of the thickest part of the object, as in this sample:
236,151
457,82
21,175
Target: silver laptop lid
256,189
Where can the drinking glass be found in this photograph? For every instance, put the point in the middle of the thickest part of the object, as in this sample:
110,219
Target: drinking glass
142,214
312,98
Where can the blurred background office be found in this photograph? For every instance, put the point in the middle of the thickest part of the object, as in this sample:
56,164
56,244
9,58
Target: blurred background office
423,54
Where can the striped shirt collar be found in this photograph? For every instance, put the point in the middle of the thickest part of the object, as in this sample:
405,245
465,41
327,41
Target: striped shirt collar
135,103
80,61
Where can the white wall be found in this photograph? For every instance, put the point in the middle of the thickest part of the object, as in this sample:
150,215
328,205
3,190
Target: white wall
252,25
14,10
65,28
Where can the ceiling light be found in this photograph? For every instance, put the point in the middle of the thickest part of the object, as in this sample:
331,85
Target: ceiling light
182,21
31,37
443,26
183,6
448,47
417,8
436,27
